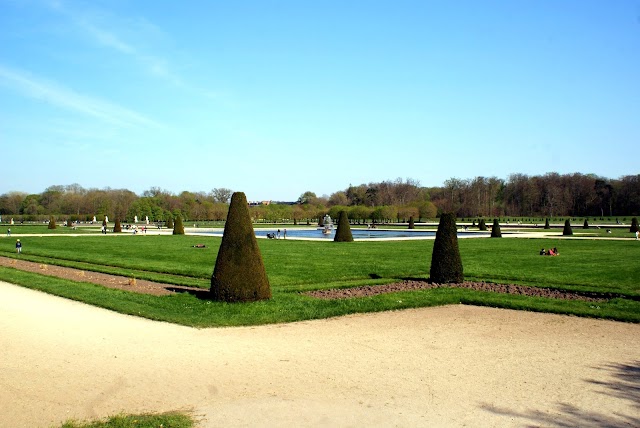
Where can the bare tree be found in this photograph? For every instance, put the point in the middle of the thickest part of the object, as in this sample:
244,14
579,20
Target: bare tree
221,194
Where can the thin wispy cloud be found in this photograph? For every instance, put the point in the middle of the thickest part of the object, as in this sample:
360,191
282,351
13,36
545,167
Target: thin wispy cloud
60,96
106,38
104,34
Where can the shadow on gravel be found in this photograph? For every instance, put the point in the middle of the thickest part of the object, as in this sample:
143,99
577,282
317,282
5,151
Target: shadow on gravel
624,385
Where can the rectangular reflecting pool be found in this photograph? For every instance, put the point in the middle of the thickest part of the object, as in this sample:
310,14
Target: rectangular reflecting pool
308,233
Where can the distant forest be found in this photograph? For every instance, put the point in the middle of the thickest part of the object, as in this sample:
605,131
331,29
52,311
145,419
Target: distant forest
549,195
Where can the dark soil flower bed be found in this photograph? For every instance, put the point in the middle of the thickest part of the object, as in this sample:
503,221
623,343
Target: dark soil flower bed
372,290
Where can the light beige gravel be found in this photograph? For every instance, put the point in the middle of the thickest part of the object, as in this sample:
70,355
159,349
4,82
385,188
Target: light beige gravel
448,366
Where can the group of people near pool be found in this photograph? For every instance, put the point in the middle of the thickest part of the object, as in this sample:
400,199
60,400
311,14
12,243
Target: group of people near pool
277,235
551,252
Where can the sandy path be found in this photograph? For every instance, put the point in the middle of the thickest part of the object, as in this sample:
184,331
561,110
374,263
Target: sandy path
447,366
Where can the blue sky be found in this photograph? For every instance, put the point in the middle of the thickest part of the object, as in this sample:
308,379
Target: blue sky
275,98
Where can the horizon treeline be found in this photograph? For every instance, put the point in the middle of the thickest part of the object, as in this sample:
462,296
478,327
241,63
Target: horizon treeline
520,195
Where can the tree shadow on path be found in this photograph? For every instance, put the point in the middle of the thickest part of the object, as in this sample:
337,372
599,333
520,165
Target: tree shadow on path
624,385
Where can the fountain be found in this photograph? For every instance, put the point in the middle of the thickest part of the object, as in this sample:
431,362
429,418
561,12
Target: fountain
328,225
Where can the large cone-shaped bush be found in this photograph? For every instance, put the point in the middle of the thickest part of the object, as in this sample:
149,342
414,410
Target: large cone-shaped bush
239,274
634,225
495,229
178,227
52,223
482,225
446,264
343,234
546,223
412,224
117,226
567,228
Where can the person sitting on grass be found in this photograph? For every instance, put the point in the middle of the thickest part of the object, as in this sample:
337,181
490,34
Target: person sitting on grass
543,252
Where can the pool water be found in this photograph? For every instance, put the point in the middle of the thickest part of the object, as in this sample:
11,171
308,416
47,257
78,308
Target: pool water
356,233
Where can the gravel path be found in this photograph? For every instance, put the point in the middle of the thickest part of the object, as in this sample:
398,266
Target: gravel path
447,367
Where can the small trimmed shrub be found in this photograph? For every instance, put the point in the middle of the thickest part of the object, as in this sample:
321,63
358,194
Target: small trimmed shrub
239,274
585,225
546,223
343,234
634,225
482,225
52,223
567,228
178,227
69,223
446,264
495,229
412,224
117,226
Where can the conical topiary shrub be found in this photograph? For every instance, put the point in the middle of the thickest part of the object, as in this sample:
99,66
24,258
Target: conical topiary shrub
412,224
446,264
634,225
117,227
495,229
482,225
343,234
178,228
239,274
546,223
585,225
567,228
52,223
169,223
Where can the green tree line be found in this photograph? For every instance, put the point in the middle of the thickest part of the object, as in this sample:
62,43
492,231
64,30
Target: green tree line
520,195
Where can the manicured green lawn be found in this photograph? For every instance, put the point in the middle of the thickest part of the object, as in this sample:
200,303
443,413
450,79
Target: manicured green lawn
42,229
294,266
168,420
